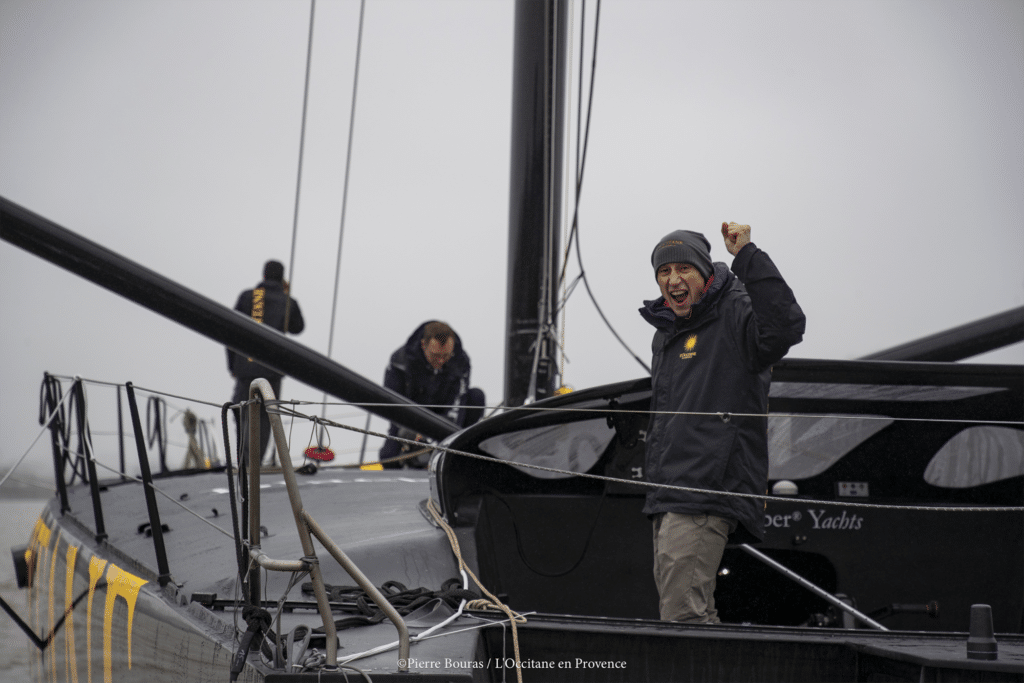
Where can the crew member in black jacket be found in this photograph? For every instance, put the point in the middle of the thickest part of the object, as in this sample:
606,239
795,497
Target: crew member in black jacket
718,333
431,369
266,304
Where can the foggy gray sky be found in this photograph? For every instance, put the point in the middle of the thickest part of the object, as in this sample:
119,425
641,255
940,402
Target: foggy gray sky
877,149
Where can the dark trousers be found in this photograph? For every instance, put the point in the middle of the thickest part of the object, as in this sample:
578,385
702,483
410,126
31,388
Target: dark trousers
242,416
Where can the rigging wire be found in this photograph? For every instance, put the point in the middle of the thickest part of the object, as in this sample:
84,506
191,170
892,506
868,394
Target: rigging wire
581,162
348,166
586,285
565,296
546,315
565,292
581,165
344,193
298,181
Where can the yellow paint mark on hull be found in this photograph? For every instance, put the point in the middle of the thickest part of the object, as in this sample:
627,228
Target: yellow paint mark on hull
45,549
70,658
127,586
51,654
37,553
96,567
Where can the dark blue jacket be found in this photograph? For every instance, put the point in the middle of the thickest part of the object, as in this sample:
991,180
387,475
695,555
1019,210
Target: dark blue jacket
412,376
718,361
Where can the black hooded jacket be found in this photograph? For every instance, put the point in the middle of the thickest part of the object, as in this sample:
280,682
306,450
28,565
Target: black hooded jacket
412,376
718,361
274,300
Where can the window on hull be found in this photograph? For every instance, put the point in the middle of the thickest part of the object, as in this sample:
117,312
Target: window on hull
977,456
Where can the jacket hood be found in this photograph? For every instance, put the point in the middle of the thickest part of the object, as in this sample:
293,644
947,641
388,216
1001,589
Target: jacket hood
413,350
658,314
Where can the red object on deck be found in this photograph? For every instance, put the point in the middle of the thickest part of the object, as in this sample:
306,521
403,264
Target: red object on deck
319,453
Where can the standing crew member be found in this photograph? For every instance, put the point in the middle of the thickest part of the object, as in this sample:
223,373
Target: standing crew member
431,369
718,333
266,304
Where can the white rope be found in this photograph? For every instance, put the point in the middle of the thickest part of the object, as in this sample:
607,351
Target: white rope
513,617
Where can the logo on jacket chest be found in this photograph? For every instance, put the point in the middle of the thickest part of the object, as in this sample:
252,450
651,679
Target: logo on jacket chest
689,347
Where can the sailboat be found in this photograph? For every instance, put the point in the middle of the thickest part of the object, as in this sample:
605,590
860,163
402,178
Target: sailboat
238,574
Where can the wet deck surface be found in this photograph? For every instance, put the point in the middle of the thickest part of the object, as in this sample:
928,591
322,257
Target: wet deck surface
375,517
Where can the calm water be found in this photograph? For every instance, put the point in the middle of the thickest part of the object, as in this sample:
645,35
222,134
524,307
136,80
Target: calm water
17,517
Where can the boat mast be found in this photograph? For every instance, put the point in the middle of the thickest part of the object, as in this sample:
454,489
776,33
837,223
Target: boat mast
538,117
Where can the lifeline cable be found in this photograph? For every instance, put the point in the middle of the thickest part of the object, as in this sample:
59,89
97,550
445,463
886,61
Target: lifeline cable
56,410
687,489
168,497
281,408
719,414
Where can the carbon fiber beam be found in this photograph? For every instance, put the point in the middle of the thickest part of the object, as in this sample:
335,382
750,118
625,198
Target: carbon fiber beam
110,270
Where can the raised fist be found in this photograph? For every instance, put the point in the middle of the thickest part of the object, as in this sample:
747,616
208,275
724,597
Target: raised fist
736,236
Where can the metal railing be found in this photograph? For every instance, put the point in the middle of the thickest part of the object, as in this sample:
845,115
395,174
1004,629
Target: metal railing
307,527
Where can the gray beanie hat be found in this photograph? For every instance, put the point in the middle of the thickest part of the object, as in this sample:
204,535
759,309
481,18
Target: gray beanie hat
684,246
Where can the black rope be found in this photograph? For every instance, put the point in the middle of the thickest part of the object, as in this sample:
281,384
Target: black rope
239,554
51,393
50,398
586,284
156,428
257,616
78,467
258,621
362,611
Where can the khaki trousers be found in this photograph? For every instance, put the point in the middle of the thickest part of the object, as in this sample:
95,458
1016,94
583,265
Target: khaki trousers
687,552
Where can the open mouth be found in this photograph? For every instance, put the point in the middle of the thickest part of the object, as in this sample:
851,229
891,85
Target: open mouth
679,298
